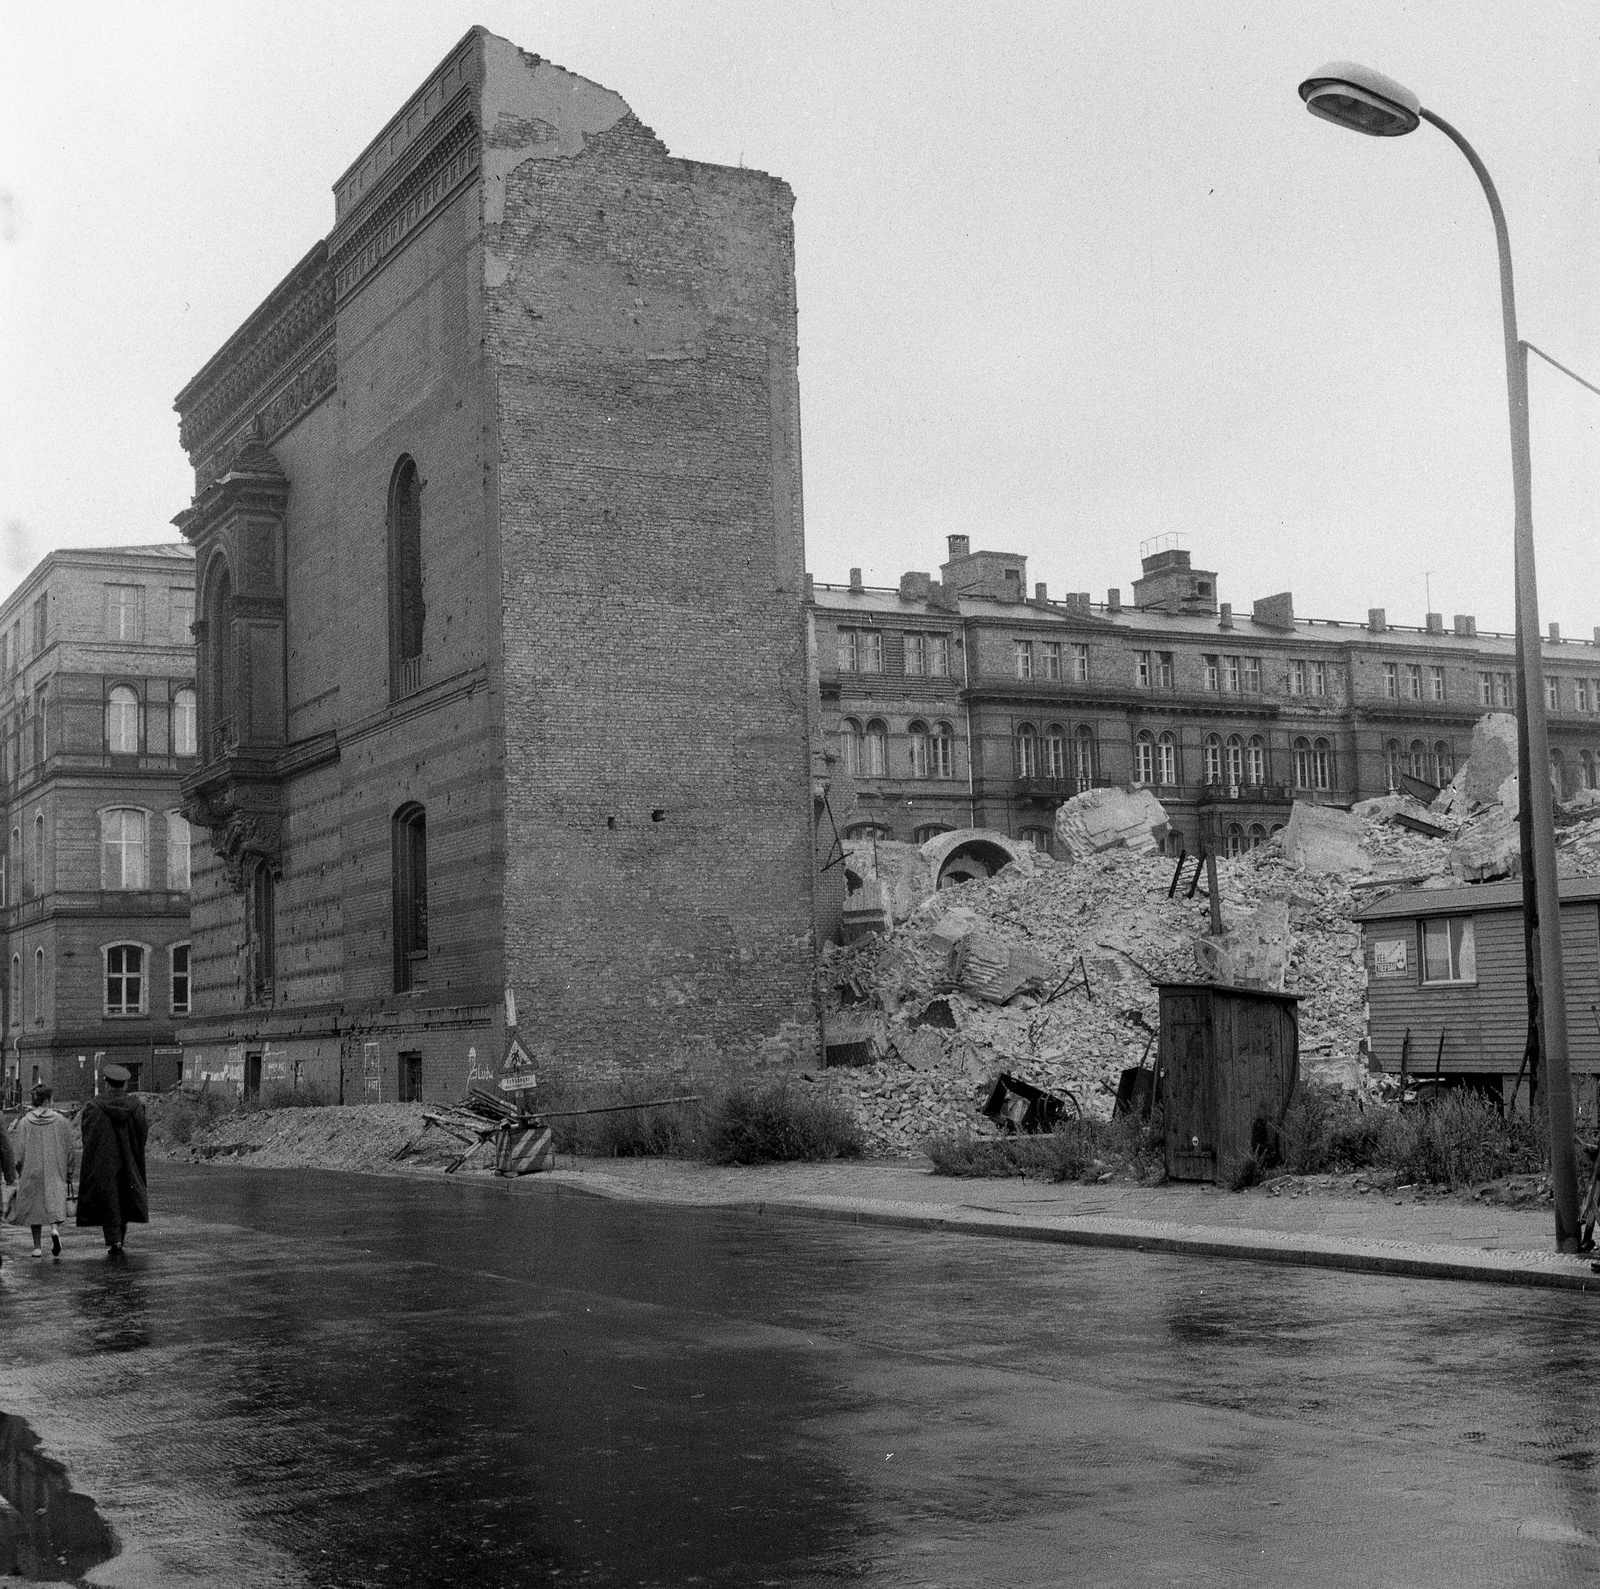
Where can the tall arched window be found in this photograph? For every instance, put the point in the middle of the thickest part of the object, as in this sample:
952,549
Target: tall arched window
38,985
1257,835
1211,759
1558,773
1302,763
920,757
124,848
877,749
261,928
1083,756
1255,760
122,721
407,614
1144,758
854,739
16,990
1394,762
1167,760
1234,839
1444,763
125,979
1055,752
942,756
1027,751
220,664
39,869
1588,783
183,723
410,889
1321,764
178,839
1417,759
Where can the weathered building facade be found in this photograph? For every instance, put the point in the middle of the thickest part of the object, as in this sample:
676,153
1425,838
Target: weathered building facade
968,701
501,609
98,725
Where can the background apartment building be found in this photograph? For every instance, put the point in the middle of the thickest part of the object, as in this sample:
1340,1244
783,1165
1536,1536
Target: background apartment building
97,726
968,701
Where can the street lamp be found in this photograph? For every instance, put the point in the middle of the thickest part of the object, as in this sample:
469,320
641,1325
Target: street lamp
1366,101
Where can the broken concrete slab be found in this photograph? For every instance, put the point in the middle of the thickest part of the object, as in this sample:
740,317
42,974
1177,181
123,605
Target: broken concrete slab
994,968
1491,848
1325,841
1106,819
1492,760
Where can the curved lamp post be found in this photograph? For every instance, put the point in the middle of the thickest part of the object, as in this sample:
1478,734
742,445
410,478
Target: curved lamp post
1366,101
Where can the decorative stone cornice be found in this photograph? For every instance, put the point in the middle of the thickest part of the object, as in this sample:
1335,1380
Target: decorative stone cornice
433,171
280,362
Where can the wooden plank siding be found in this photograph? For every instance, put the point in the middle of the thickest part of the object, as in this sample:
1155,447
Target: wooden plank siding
1484,1023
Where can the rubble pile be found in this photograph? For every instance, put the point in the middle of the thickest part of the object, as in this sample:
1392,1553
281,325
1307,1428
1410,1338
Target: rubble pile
1051,972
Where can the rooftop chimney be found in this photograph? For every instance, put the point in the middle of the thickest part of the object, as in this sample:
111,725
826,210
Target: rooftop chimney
1275,612
1555,632
855,581
1435,623
1040,593
1226,620
915,587
959,546
1466,625
1377,619
1114,602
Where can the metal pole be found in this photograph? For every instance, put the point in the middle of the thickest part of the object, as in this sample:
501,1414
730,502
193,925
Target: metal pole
1533,743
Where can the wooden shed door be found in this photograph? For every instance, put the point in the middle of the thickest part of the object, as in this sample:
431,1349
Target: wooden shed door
1189,1093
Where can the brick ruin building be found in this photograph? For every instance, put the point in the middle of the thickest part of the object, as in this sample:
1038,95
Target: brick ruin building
502,637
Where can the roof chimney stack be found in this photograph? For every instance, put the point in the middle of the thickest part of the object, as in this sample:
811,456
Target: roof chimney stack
1040,593
1114,602
855,582
1377,619
1226,620
1555,633
1466,625
959,546
1435,623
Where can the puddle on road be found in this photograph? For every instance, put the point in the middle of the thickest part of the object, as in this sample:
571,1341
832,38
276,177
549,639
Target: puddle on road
48,1532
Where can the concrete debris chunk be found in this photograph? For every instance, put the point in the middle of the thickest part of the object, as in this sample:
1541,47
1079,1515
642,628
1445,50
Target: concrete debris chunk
994,969
1493,759
1105,819
1323,840
1491,848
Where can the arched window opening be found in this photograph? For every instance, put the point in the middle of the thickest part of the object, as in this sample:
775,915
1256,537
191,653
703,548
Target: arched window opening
943,758
16,990
854,746
1558,773
407,614
1083,756
184,724
1588,783
1394,763
39,868
1233,839
38,987
921,755
1444,763
122,721
124,848
180,978
1255,761
260,929
1321,764
1211,760
125,979
1038,838
1167,760
220,664
1027,751
929,830
1144,759
1257,835
410,874
1417,759
1302,763
178,840
877,749
1055,752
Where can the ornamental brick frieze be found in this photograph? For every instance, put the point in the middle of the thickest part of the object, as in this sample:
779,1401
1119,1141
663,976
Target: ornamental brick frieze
273,367
440,168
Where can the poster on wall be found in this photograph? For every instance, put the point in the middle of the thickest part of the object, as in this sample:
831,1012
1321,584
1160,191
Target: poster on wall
1389,958
372,1072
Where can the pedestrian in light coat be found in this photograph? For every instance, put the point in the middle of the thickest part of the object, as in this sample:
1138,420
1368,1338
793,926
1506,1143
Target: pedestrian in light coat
111,1188
45,1154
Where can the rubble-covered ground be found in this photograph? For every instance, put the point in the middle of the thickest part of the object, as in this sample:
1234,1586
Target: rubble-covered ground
1106,932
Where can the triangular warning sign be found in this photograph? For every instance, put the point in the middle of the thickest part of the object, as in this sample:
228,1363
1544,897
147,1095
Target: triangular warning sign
517,1057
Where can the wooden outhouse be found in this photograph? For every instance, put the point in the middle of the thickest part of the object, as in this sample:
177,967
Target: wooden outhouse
1447,967
1229,1058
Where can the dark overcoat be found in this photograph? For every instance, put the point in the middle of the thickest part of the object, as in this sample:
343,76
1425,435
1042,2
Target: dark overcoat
111,1187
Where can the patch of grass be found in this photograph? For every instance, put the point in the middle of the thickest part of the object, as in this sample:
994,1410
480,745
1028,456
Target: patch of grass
1461,1139
284,1095
777,1121
178,1116
1077,1150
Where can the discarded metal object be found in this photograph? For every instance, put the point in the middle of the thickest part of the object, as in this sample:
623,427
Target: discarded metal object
937,1012
1024,1107
1419,788
1429,830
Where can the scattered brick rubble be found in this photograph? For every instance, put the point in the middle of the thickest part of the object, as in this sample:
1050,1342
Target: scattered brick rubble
1049,969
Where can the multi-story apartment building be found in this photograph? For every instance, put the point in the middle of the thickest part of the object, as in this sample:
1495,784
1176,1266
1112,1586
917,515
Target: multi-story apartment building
502,631
969,702
98,724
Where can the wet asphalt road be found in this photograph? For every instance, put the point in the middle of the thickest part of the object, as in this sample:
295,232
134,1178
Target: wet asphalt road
343,1380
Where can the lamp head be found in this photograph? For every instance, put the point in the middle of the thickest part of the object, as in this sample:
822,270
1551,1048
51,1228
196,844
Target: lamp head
1361,99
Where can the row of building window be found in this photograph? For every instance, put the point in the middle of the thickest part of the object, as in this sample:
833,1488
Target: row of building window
122,723
124,854
866,749
123,621
127,981
925,655
1234,761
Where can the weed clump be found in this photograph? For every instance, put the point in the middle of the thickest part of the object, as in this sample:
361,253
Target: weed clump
775,1121
1077,1150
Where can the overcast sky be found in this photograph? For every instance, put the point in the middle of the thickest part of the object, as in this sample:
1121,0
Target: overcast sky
1071,274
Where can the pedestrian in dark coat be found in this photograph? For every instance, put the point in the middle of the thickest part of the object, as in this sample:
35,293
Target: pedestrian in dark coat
45,1152
8,1173
111,1186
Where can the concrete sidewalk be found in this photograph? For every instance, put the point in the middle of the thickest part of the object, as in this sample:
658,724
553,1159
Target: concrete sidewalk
1441,1238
